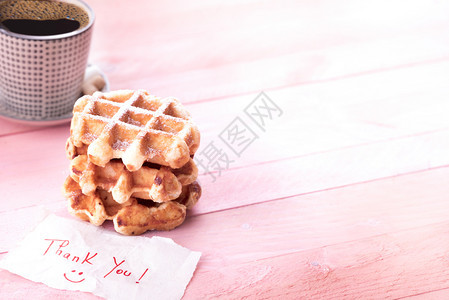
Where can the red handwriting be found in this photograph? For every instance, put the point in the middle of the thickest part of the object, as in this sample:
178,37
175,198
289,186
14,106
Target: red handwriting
122,271
73,280
142,275
60,247
64,243
119,271
67,255
86,260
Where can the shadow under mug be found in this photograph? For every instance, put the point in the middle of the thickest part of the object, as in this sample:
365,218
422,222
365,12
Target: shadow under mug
41,76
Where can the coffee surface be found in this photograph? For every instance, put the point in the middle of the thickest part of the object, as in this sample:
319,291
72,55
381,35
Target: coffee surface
38,27
41,17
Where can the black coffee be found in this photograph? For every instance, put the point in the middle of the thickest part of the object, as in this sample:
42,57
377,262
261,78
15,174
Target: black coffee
41,17
38,27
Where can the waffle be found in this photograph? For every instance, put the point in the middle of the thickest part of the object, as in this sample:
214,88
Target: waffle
94,208
138,218
190,195
134,126
72,151
159,185
149,182
186,174
134,216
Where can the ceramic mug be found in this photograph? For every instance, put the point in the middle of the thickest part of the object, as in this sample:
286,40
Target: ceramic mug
41,75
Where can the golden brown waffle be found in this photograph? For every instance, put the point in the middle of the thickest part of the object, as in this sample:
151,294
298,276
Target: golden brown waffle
138,218
71,151
134,216
186,174
95,208
134,126
156,183
159,185
190,195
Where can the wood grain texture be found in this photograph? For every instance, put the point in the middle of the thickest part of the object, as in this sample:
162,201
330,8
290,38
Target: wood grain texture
293,241
13,287
289,43
366,134
344,196
442,293
383,267
282,178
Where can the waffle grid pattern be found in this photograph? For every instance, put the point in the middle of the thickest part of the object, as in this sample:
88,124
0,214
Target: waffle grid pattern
135,127
131,161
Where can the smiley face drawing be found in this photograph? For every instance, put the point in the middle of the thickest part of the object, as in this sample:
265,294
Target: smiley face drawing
74,275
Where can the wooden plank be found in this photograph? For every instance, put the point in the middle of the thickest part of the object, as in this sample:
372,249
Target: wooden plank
8,127
385,267
383,236
298,223
273,28
182,88
283,42
17,223
336,114
366,99
285,165
282,178
181,84
288,70
438,294
316,220
305,174
388,266
320,51
331,111
14,287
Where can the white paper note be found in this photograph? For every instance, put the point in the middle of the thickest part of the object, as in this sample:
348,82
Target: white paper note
74,255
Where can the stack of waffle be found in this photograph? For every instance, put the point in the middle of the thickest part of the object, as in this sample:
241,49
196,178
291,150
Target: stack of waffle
131,161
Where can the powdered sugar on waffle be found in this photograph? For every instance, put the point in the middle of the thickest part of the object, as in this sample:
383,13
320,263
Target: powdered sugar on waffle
135,127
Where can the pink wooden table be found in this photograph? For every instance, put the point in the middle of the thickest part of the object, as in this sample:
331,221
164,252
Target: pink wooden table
342,193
